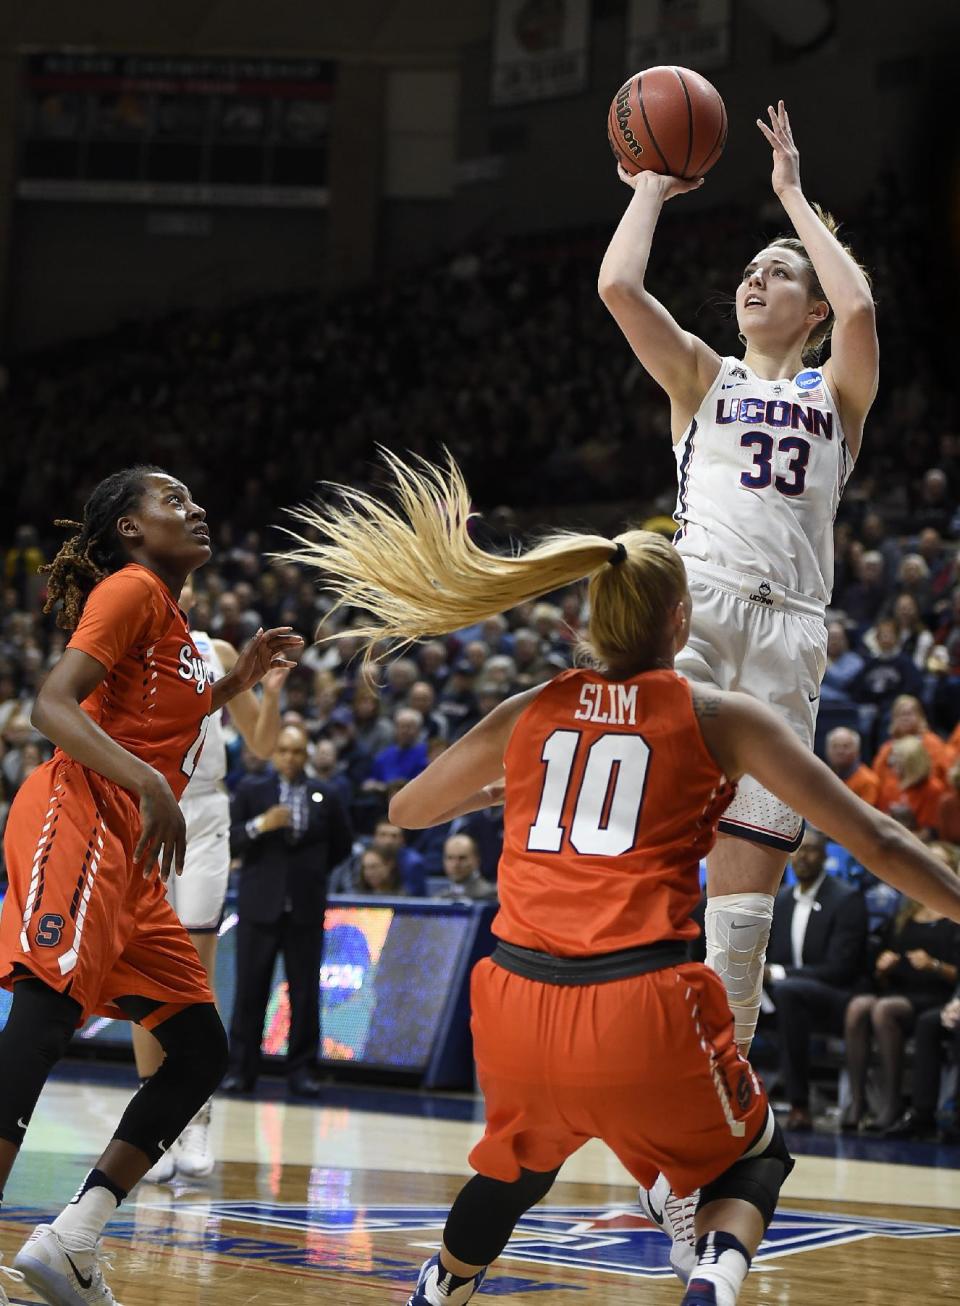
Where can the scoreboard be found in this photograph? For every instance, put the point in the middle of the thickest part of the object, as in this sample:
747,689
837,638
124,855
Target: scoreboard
149,129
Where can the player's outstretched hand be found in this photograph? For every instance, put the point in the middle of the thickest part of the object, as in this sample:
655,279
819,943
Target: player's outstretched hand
655,183
267,649
163,831
786,156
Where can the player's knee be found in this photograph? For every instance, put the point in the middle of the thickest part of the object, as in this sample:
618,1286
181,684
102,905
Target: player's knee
756,1178
195,1039
45,1019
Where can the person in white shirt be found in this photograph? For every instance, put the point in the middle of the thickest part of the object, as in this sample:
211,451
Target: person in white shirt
764,446
817,952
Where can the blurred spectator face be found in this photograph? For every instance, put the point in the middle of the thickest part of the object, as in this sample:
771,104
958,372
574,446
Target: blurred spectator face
201,615
570,610
906,612
934,486
296,694
546,619
407,725
460,858
494,629
433,657
387,839
365,707
400,676
476,653
871,568
874,530
489,695
907,717
888,636
375,871
837,642
500,670
843,749
913,570
929,544
808,860
422,697
526,647
290,754
229,609
325,757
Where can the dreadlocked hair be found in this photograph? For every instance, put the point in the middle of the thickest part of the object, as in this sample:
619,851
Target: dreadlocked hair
96,549
821,333
414,569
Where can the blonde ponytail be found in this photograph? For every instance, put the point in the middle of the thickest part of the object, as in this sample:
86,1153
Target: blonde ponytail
415,570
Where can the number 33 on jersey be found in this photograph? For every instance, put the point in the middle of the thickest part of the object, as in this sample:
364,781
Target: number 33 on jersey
603,835
763,465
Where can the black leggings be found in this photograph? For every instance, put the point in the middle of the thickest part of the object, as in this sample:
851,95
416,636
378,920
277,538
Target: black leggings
35,1037
486,1212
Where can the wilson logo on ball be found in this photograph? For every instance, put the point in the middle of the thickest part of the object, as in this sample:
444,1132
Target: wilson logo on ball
622,109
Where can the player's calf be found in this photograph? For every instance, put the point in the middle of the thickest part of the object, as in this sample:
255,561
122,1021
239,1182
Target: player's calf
737,931
735,1210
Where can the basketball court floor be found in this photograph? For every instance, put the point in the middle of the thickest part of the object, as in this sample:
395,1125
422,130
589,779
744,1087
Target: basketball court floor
342,1201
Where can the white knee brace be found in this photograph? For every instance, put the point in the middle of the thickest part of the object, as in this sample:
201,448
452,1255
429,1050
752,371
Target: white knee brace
737,929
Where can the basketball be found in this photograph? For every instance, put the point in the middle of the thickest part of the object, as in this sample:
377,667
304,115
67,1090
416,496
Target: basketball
667,120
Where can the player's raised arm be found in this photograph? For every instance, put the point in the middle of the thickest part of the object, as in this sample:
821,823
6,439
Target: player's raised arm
745,737
677,360
853,367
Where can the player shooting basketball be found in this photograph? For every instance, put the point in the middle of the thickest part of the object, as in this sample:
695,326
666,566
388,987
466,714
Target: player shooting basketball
764,447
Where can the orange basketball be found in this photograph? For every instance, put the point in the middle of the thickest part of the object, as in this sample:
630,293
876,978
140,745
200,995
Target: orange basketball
667,120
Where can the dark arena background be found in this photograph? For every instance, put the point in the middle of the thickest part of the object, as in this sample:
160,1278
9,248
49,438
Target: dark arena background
252,243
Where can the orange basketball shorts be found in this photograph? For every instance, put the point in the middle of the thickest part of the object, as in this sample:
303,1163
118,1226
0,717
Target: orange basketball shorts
647,1064
78,913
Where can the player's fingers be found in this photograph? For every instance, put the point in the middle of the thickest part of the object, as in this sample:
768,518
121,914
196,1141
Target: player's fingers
180,850
767,133
147,837
166,859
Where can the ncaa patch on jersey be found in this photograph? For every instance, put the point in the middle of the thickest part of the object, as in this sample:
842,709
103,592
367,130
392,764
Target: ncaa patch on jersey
808,380
614,1240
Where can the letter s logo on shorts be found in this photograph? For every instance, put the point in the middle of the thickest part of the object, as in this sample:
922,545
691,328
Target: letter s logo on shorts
49,930
808,380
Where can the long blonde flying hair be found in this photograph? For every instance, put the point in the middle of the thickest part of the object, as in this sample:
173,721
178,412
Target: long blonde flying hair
413,567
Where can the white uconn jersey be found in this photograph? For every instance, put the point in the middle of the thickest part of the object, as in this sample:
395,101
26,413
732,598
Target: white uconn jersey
761,470
212,766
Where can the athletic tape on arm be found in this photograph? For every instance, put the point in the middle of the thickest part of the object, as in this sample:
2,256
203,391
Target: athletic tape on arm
737,929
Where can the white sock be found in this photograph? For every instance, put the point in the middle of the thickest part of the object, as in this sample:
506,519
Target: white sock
80,1224
723,1261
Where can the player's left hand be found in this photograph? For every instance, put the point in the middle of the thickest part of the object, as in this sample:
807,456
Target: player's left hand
267,649
786,156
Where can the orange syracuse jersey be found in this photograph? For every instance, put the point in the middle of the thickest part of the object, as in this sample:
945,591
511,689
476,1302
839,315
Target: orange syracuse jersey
612,799
155,699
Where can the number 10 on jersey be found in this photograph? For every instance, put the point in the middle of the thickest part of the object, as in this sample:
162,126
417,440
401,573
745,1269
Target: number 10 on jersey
606,807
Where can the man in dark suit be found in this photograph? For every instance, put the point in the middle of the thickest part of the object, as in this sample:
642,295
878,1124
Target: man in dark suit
816,954
290,831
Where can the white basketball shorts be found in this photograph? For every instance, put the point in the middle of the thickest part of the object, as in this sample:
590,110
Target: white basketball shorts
197,896
751,635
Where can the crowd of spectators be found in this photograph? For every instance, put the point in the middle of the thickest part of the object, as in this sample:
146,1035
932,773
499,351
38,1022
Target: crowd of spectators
506,355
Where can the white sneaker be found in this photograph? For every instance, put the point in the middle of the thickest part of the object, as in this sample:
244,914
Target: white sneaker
9,1273
61,1277
162,1171
676,1216
194,1158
